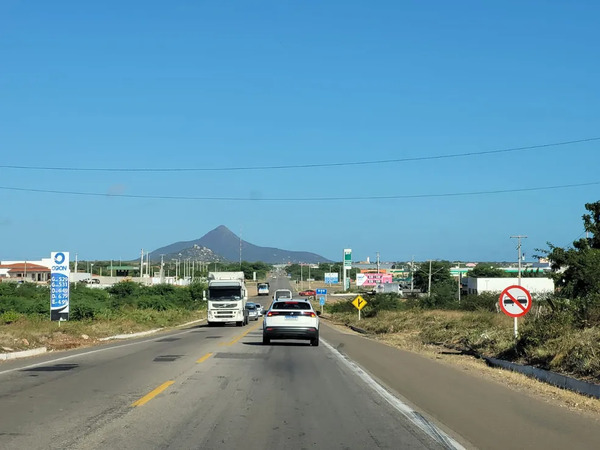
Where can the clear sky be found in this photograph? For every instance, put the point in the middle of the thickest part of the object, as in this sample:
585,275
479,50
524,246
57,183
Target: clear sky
213,84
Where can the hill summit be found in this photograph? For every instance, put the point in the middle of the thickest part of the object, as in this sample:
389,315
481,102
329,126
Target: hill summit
221,243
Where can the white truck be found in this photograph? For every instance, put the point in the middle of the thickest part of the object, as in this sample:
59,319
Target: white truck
227,297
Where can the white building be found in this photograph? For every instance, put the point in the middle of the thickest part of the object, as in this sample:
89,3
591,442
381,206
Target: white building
533,285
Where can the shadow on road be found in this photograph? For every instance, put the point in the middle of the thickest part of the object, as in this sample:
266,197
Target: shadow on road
54,368
279,344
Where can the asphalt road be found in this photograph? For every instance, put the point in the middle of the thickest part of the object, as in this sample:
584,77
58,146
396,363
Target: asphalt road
197,388
221,388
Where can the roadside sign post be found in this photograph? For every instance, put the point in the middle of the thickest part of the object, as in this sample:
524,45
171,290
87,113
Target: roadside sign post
59,286
515,301
359,303
347,266
322,294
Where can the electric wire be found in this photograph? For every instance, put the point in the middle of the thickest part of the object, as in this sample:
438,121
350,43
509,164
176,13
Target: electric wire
301,166
301,199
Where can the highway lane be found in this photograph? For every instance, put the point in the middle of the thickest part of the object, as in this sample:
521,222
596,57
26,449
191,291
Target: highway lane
197,388
221,388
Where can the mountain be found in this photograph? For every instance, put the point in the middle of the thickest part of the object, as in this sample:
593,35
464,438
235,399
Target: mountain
195,252
226,244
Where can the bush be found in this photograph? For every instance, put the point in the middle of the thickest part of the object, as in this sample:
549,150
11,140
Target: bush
482,302
155,302
9,317
124,289
84,311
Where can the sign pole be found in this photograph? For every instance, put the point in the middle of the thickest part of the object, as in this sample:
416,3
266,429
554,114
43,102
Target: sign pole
359,303
516,328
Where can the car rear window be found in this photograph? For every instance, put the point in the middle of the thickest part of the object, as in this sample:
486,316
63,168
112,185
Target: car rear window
291,305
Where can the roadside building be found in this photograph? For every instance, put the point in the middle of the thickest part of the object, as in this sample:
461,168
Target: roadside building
481,285
25,271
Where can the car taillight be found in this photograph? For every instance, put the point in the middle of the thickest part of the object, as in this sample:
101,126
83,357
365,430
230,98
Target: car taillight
270,313
310,314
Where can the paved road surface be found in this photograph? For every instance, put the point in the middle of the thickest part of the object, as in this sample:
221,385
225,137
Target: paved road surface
221,388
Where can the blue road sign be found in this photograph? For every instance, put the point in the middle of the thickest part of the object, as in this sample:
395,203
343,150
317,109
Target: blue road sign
321,300
321,291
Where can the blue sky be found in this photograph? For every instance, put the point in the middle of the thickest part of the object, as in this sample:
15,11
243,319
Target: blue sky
191,84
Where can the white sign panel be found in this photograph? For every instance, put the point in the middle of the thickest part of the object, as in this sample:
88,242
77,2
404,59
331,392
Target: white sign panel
59,286
331,278
361,278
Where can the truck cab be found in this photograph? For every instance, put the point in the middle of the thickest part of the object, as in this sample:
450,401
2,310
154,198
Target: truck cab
227,297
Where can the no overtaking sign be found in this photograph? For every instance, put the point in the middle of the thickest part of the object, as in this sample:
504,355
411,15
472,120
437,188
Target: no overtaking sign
515,301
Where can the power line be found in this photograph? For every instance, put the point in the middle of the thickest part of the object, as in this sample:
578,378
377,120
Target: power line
304,199
300,166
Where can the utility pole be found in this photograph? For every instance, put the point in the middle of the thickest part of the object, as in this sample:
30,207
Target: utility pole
377,263
412,274
429,287
162,269
519,237
142,265
459,279
75,263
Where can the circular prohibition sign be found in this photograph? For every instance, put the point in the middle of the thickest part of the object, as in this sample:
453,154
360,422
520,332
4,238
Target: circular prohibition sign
515,301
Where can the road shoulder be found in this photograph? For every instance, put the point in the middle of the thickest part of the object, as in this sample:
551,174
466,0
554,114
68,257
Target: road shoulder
477,409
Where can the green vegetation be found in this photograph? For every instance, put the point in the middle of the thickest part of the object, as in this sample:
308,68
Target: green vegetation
125,307
87,303
486,270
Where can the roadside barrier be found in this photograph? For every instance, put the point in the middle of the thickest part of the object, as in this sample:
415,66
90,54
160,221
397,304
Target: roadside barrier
556,379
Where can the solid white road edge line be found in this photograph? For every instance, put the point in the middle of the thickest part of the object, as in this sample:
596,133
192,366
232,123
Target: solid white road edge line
415,417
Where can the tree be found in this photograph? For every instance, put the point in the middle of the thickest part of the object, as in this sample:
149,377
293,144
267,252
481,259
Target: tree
486,270
440,274
578,268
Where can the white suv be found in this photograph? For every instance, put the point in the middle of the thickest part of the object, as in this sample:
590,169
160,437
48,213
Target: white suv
291,319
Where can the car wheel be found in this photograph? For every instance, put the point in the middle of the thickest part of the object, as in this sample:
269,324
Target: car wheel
240,324
266,340
314,342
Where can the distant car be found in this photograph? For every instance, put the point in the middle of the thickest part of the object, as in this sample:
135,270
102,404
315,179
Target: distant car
252,311
259,308
263,289
308,293
92,281
282,294
291,319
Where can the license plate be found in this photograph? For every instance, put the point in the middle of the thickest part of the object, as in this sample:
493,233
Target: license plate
291,318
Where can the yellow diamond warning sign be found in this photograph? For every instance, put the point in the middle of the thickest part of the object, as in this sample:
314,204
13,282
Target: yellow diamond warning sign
359,303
